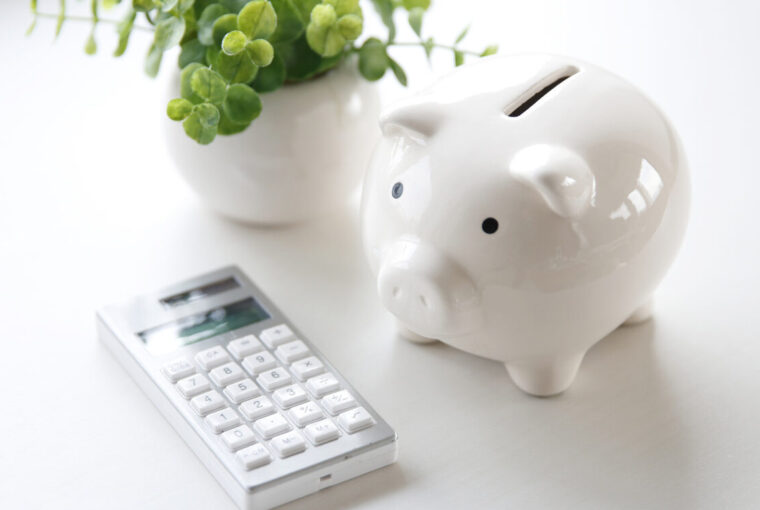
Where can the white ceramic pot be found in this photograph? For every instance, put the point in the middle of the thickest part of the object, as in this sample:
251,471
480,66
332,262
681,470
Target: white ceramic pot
521,209
304,155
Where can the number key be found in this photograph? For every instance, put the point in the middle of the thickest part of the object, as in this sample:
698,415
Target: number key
226,374
193,385
289,396
274,379
256,408
259,362
242,391
207,402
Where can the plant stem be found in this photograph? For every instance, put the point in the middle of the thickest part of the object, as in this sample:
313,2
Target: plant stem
435,45
89,20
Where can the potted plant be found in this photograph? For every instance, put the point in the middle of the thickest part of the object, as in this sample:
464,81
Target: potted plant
284,82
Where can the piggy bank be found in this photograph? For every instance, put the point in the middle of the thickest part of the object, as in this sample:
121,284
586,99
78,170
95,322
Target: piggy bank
521,209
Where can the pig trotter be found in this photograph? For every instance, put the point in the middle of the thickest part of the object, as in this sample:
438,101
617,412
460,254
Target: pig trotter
544,377
641,314
411,335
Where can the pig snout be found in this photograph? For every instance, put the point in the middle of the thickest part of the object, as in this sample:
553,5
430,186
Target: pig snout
431,294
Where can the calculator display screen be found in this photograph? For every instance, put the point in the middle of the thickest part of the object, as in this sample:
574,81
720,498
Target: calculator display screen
194,328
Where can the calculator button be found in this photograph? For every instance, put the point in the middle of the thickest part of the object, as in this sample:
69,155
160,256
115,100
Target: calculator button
259,362
322,432
223,420
213,357
292,351
193,385
256,408
271,426
288,444
305,413
242,391
273,379
207,402
276,336
244,346
338,402
322,385
226,374
307,368
253,456
238,437
289,396
355,420
177,369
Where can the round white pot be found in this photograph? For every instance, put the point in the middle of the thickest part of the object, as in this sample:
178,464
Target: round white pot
304,155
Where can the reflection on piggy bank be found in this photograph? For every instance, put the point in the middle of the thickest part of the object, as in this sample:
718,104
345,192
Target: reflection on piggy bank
521,209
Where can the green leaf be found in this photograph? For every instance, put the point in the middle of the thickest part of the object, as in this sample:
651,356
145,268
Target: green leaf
33,7
125,30
185,5
324,16
272,76
327,41
168,5
261,52
169,33
192,51
143,5
397,71
227,127
212,54
415,20
223,26
208,85
236,68
201,125
344,7
301,62
90,46
350,26
234,42
257,19
490,50
186,90
206,22
385,9
373,59
428,45
242,103
153,60
416,4
61,17
304,8
179,109
458,58
462,34
290,24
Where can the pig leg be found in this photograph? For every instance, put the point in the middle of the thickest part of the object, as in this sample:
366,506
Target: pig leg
641,314
411,335
544,377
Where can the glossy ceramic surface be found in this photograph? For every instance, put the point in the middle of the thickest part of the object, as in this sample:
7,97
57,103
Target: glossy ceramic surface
521,209
303,156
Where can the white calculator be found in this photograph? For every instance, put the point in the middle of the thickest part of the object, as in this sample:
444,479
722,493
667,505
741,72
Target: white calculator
263,409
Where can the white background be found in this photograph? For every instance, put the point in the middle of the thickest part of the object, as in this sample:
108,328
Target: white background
665,415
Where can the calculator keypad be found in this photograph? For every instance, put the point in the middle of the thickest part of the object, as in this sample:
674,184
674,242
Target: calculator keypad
292,397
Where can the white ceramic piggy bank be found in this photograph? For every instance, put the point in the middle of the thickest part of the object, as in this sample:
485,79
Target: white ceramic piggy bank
521,209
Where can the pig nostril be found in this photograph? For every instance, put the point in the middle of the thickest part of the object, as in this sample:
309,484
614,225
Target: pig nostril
424,301
396,292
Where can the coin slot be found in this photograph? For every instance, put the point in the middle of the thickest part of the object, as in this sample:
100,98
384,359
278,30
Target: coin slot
326,477
538,91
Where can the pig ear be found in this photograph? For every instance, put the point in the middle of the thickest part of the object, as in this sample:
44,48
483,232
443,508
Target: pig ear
417,118
560,176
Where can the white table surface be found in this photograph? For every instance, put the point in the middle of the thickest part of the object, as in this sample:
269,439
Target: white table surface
665,415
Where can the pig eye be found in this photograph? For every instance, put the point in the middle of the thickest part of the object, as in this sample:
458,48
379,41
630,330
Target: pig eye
490,225
397,190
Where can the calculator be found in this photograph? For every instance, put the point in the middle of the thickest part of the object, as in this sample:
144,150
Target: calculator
262,408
